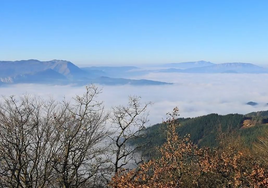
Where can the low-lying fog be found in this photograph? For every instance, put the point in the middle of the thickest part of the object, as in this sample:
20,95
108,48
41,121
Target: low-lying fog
194,94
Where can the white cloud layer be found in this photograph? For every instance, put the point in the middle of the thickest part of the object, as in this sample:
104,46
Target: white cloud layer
194,94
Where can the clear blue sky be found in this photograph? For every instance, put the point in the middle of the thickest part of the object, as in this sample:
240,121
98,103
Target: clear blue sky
135,31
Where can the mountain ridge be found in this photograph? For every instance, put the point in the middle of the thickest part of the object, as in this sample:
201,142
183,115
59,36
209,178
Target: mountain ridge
32,71
208,67
58,72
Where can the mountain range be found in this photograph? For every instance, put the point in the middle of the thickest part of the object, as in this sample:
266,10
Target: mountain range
65,72
208,67
184,67
62,72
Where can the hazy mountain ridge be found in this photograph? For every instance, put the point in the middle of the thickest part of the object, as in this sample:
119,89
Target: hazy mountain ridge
114,71
208,67
65,72
187,65
60,72
14,68
122,81
45,76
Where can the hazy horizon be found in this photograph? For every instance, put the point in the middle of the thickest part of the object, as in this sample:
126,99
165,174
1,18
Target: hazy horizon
145,33
194,94
137,65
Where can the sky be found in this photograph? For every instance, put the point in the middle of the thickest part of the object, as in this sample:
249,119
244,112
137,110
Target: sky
134,32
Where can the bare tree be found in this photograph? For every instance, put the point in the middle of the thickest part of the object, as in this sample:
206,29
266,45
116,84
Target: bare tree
79,133
128,122
24,142
51,144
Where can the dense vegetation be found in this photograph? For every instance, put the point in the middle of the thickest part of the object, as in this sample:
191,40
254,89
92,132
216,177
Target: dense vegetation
181,163
206,131
47,143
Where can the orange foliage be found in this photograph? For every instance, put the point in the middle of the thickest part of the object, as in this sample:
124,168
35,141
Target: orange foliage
183,164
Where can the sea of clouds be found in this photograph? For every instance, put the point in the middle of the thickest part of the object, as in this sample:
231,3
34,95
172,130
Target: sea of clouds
193,94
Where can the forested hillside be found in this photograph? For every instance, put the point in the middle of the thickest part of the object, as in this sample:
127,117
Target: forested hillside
207,131
181,163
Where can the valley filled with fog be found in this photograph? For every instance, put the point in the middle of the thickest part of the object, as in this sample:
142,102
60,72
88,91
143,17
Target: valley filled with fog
193,94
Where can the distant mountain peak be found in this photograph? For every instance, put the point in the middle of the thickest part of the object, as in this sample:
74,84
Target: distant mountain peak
60,60
198,62
29,60
63,72
238,64
14,68
208,67
190,64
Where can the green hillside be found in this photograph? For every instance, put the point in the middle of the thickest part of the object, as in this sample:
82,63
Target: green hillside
207,130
